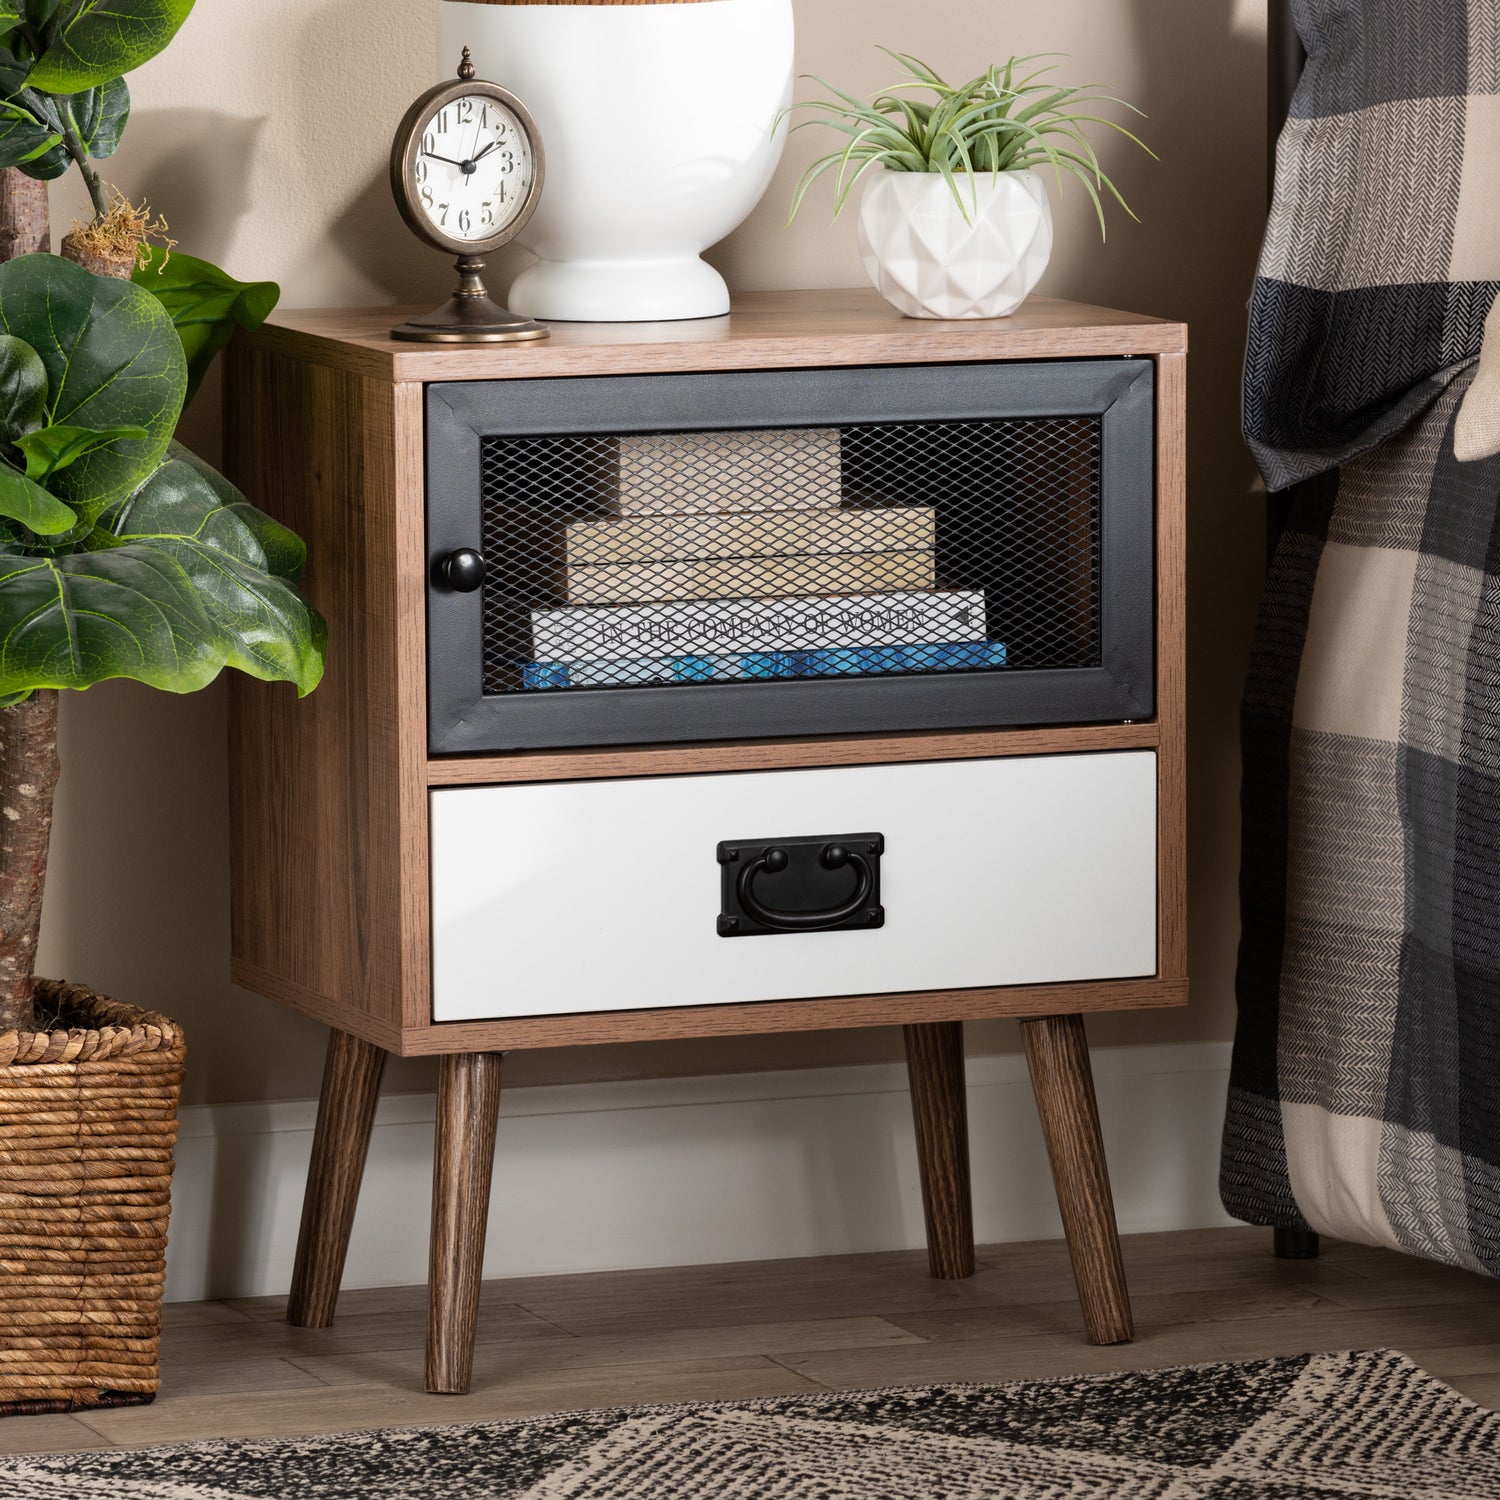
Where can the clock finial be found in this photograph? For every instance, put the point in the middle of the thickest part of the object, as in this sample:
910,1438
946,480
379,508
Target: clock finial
465,66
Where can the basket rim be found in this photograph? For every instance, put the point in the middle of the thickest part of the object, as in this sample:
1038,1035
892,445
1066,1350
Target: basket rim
114,1028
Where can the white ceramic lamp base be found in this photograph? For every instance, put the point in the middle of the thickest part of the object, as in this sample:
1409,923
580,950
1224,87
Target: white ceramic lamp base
605,291
660,128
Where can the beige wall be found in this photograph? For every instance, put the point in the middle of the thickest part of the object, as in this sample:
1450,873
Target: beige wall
262,136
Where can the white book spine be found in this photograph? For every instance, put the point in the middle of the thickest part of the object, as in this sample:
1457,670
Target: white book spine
628,632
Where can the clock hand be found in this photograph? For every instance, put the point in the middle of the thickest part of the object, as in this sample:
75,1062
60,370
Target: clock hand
448,159
492,145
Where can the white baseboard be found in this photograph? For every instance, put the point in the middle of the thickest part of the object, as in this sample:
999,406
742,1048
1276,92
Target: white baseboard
683,1171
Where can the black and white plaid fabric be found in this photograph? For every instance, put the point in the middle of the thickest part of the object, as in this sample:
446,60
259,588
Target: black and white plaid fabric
1382,256
1365,1097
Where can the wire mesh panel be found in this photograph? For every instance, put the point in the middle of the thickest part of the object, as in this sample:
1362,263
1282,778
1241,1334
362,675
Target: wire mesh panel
633,559
790,553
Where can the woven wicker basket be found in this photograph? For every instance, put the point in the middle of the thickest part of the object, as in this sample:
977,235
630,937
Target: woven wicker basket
88,1121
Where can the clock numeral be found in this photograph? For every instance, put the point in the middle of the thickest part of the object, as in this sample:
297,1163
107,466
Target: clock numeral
427,197
487,212
463,221
507,162
443,210
429,143
465,111
421,170
442,122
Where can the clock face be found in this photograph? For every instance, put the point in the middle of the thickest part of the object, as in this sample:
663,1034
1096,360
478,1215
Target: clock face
473,168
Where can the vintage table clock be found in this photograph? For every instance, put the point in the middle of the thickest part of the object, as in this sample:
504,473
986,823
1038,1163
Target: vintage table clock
810,667
466,171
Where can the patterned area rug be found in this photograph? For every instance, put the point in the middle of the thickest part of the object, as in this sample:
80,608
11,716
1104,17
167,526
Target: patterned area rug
1318,1427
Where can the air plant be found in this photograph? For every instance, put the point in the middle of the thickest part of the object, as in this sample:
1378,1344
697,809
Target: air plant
1006,120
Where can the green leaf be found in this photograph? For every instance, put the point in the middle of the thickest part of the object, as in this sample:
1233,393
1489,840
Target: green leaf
113,360
179,586
243,566
101,115
52,448
23,388
23,500
98,116
205,303
24,139
284,551
89,42
69,622
13,69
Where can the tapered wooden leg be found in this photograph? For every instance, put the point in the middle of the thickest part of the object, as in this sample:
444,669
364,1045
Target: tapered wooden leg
1296,1244
346,1112
939,1107
1057,1053
468,1110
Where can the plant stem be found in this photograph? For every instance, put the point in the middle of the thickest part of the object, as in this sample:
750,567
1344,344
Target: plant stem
28,778
75,148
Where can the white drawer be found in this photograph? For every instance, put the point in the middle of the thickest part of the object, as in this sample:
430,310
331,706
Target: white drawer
604,895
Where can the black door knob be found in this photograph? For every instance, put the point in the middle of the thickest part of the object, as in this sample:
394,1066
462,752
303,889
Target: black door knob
464,571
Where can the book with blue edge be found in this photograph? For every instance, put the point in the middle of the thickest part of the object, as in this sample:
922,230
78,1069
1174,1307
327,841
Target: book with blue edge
750,666
738,627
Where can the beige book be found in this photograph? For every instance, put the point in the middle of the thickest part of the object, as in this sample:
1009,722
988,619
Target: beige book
714,471
761,578
750,533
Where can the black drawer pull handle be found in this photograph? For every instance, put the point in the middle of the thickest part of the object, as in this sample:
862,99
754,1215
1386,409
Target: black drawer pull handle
463,571
833,857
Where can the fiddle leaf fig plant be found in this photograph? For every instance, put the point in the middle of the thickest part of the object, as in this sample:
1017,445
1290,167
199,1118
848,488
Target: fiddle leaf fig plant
63,97
85,44
206,304
121,554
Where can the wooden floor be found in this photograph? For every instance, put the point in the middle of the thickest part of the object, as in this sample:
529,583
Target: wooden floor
234,1369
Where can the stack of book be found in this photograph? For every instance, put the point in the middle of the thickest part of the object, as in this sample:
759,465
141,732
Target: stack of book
731,556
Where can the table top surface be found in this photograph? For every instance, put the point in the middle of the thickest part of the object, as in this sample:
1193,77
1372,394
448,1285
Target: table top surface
764,330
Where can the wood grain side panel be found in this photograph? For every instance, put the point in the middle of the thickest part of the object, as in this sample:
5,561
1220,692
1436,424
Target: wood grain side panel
383,1032
408,500
775,755
765,330
1171,688
326,892
832,1013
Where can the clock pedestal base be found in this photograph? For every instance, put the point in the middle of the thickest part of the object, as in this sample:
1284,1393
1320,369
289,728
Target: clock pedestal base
469,316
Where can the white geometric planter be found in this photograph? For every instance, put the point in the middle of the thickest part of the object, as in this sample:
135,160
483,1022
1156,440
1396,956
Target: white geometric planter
659,123
928,261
